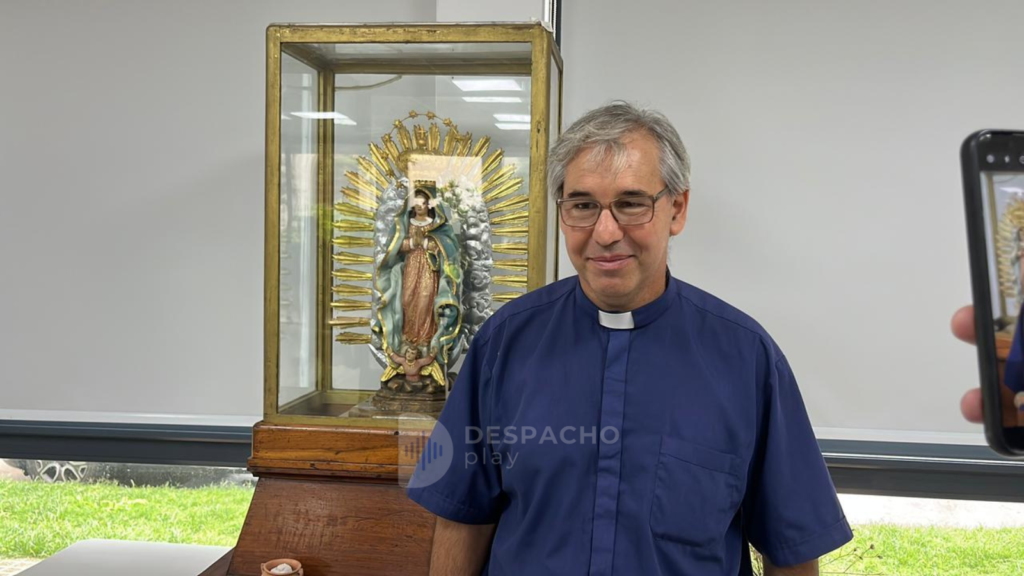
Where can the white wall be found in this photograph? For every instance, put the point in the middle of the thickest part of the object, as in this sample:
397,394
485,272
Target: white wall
491,10
131,233
826,196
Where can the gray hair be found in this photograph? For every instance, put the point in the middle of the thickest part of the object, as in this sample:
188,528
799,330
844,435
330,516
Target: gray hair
601,132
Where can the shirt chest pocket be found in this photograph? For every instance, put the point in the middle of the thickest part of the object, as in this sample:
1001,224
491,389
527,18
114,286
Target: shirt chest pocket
696,493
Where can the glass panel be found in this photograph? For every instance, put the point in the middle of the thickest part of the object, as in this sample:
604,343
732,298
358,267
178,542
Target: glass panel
368,106
554,130
555,112
428,225
297,359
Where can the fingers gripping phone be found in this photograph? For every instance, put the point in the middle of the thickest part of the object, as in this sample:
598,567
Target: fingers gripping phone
992,164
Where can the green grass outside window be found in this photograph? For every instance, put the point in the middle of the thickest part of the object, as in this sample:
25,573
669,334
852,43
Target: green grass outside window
39,519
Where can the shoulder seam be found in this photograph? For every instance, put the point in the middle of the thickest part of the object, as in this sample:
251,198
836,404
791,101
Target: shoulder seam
527,309
762,336
719,316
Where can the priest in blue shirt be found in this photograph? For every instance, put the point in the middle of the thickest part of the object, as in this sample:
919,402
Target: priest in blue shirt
622,421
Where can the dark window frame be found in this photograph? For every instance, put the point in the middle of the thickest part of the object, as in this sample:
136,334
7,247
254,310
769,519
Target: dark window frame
857,467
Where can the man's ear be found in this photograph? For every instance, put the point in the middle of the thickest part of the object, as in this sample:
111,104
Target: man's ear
679,204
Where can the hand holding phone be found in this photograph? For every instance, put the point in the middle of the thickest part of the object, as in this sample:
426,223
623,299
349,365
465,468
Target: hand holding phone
992,164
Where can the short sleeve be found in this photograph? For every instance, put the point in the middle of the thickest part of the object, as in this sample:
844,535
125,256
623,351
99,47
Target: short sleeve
791,513
469,491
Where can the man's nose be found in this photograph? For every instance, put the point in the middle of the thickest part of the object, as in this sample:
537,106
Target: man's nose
607,231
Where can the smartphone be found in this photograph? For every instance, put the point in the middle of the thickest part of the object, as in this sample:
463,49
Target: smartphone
992,164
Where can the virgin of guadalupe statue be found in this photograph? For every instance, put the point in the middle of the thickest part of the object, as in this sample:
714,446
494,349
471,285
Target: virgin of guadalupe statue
1018,264
419,279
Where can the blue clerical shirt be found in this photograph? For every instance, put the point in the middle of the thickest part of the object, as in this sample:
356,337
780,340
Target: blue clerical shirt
659,441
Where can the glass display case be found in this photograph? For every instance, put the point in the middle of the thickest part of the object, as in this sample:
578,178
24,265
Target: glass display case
405,203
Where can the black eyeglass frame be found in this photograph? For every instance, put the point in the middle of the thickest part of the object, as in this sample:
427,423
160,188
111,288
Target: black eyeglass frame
601,208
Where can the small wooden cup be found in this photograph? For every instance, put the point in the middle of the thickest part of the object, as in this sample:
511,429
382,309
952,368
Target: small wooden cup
296,567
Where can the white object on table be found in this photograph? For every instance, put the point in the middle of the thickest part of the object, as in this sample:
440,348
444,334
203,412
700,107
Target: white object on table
122,558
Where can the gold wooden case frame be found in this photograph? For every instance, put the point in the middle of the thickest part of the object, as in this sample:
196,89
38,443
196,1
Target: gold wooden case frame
543,67
333,469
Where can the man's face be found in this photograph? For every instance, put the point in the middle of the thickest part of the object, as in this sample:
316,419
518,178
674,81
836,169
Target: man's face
622,267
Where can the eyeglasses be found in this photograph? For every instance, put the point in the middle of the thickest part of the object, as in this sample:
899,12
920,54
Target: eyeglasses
630,210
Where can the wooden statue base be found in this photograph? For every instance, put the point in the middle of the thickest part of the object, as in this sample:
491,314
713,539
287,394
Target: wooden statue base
334,527
329,497
429,403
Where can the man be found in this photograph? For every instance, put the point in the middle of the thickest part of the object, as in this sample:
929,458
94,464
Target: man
631,423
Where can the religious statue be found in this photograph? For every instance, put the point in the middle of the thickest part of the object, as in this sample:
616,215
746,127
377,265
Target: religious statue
419,280
1009,253
427,203
1018,264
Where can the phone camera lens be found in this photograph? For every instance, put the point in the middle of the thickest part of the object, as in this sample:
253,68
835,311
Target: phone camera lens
991,158
1021,159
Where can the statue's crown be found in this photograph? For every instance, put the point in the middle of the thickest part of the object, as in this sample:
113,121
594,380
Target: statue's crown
424,139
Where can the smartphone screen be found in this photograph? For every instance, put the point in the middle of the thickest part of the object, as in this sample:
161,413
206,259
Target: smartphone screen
1003,192
993,173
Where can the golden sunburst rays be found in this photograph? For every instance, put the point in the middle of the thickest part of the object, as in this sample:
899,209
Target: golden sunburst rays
375,173
352,228
350,258
517,217
352,338
510,187
350,275
501,175
353,211
511,248
358,199
349,305
513,280
505,296
508,209
346,225
481,146
511,231
351,290
352,242
513,264
411,138
380,159
350,322
517,201
1010,249
493,161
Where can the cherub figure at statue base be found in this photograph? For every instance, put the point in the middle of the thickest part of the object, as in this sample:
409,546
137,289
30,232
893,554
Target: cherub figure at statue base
414,387
416,371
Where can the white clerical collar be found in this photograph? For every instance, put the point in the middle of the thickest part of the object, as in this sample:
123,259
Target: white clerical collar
615,321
